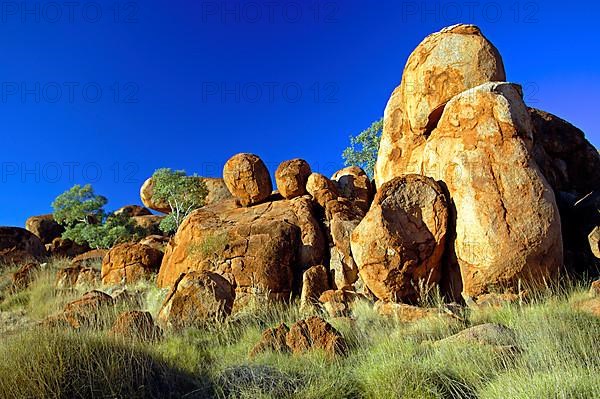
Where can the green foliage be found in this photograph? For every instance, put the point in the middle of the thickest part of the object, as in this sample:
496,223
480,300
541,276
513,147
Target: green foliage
78,205
82,214
364,147
183,194
114,229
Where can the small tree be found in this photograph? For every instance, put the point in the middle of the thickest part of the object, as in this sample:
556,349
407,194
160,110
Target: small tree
79,205
182,193
82,214
364,147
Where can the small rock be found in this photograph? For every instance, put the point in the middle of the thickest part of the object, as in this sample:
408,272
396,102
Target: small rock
315,333
594,240
485,334
408,313
137,325
133,210
24,276
88,311
272,339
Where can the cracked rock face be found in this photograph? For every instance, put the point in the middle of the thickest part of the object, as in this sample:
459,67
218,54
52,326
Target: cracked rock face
127,263
399,244
445,64
247,178
258,249
507,222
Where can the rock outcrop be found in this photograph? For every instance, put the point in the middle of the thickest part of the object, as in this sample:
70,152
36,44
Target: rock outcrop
247,178
133,210
315,281
128,263
65,248
291,177
18,245
443,65
399,244
263,247
45,227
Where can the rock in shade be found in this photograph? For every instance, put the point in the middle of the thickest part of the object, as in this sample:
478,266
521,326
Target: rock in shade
354,184
18,245
45,227
137,325
272,339
315,281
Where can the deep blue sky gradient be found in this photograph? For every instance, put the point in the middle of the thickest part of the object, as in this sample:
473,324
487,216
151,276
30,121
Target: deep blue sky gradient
109,98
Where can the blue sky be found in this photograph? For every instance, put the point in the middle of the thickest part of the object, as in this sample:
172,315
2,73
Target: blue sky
107,92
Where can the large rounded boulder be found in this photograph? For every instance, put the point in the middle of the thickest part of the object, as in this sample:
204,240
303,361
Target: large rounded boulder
508,229
443,65
291,177
399,244
247,178
17,245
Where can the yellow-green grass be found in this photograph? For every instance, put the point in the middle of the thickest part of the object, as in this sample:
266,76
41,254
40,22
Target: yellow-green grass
557,356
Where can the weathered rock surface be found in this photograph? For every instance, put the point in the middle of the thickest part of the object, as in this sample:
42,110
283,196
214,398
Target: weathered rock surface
595,289
399,244
24,276
136,325
338,303
594,240
484,334
150,223
258,248
195,298
133,210
315,333
272,339
247,178
89,258
156,241
18,245
88,311
405,313
127,263
45,227
341,218
443,65
315,281
507,223
354,184
291,177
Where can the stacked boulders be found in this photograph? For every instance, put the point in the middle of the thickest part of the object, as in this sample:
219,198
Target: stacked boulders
247,179
454,119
